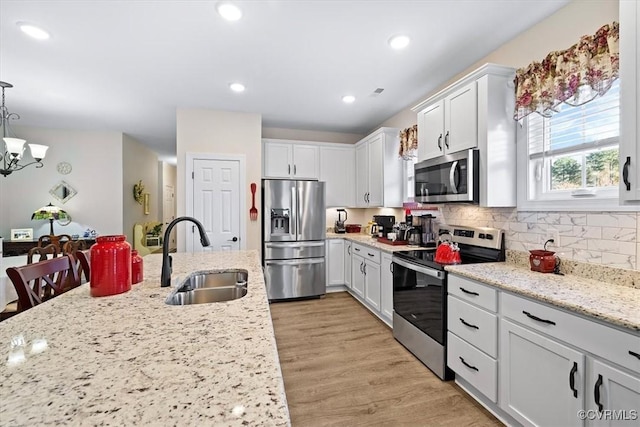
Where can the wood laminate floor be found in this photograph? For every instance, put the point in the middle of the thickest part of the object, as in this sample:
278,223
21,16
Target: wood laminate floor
342,367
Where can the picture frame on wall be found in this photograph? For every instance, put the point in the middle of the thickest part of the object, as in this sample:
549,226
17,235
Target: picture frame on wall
21,234
146,203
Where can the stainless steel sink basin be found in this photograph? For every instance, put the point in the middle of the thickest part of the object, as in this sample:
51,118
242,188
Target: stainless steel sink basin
210,286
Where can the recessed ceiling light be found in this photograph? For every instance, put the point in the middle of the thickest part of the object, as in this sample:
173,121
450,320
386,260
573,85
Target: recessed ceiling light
399,42
236,87
229,11
348,99
33,31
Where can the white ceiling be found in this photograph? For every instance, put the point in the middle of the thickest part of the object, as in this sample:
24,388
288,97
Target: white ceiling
127,65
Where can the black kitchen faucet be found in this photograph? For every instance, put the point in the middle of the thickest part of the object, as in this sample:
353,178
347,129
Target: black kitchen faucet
165,278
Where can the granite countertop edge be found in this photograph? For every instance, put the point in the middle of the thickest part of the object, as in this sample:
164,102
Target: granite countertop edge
611,303
366,239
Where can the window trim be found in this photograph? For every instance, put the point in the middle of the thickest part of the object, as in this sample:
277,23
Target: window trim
560,204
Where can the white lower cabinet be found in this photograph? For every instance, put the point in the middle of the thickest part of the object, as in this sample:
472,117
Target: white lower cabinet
613,393
357,274
534,364
334,262
541,380
371,280
347,264
478,369
472,340
386,287
372,284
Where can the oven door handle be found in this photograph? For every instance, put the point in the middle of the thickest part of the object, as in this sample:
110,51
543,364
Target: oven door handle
420,269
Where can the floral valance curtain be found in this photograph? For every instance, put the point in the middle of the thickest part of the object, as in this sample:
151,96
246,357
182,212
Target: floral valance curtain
573,76
408,143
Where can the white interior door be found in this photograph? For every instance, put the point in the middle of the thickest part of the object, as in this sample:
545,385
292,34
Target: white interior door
216,203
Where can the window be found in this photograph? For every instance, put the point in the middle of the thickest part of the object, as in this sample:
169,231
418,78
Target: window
574,153
409,169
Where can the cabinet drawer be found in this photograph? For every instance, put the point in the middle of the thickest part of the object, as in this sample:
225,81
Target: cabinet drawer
603,341
480,370
366,252
473,292
474,325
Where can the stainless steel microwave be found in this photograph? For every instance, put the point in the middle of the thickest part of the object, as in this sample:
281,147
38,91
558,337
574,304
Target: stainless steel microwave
448,178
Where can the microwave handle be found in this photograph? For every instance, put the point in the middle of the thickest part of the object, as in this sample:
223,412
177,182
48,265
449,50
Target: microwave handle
452,177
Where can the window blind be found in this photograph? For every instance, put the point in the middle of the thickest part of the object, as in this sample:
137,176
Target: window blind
573,129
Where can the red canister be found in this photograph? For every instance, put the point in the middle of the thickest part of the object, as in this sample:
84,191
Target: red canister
110,266
136,267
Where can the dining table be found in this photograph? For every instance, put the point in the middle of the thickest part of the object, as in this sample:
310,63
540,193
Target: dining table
7,291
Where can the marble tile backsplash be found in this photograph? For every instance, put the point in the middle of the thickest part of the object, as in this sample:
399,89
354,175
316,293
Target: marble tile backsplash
608,238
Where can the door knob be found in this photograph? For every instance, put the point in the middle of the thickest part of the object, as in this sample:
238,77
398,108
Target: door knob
235,239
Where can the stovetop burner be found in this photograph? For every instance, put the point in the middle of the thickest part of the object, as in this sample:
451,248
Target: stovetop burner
477,245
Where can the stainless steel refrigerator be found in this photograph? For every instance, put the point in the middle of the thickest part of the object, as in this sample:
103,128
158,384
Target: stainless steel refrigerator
293,231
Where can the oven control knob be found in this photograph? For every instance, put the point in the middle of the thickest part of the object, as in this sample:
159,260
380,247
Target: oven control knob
481,236
489,237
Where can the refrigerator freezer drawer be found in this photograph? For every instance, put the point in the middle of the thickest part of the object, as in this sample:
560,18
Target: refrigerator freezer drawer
294,278
293,250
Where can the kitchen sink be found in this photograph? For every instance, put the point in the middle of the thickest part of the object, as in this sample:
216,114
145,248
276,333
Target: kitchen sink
210,286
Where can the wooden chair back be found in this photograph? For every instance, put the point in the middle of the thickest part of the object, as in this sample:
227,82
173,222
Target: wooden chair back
73,246
41,253
38,282
84,257
58,240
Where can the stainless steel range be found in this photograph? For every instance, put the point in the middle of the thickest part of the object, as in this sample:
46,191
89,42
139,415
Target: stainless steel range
420,293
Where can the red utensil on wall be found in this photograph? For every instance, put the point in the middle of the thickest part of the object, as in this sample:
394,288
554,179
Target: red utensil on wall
253,212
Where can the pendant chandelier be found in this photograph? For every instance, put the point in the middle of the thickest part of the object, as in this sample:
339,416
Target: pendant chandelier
13,148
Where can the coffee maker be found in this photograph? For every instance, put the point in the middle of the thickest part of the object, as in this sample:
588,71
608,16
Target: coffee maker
340,227
427,226
385,223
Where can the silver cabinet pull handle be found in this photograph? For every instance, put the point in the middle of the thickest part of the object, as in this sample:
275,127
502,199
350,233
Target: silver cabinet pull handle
294,169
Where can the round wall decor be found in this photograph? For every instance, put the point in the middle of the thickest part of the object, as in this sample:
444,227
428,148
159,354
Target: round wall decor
64,168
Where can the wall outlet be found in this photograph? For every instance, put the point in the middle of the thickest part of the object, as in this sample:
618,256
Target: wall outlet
555,236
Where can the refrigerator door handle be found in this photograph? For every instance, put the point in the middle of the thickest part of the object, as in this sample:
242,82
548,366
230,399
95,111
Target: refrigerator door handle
298,213
280,245
294,212
303,261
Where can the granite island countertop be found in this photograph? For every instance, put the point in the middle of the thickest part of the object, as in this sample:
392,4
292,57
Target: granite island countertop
615,304
130,359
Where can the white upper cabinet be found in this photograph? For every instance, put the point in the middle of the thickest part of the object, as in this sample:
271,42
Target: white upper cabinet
475,112
431,131
379,173
449,124
292,160
337,170
629,102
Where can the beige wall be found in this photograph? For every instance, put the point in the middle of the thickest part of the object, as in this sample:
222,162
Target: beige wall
220,132
139,163
310,135
96,159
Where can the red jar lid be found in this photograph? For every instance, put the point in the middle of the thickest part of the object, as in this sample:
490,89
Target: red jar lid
114,238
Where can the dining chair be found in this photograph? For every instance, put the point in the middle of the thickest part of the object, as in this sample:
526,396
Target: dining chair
73,246
84,257
43,252
41,281
58,240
